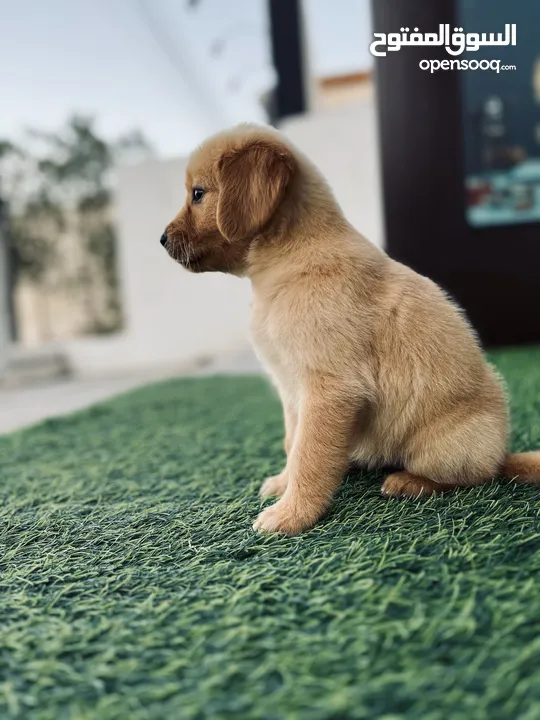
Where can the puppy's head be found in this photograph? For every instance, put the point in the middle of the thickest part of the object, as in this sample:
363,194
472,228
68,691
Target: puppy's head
235,183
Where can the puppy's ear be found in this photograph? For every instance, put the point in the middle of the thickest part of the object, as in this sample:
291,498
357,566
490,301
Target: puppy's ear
252,182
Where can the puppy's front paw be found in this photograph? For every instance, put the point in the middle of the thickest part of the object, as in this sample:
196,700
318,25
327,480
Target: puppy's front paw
274,486
283,517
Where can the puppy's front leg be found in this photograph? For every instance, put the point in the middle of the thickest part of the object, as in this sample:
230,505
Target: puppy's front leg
290,417
276,485
316,464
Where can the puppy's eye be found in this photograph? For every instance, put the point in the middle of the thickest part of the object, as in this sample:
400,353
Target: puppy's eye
197,194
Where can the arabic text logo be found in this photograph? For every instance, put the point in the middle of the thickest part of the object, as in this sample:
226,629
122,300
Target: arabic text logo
455,43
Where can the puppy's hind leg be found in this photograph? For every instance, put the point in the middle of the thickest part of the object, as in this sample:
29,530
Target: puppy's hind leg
404,484
455,452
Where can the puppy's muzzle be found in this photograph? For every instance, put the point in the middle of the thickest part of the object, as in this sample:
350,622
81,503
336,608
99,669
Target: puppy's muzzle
163,239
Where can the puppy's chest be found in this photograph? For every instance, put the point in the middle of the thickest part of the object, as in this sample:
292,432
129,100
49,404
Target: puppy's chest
271,336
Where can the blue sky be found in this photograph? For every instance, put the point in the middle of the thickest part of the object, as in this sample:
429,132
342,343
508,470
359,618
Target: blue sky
148,63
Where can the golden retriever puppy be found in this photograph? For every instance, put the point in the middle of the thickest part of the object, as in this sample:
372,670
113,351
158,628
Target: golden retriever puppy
373,363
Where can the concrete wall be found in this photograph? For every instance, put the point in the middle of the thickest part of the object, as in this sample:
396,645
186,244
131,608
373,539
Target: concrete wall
173,317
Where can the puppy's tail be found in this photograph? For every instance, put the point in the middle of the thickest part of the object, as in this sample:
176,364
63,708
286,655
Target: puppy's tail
522,467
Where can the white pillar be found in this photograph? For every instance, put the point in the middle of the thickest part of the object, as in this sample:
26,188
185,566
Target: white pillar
310,81
4,305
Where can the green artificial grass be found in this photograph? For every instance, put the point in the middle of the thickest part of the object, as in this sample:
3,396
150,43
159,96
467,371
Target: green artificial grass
132,585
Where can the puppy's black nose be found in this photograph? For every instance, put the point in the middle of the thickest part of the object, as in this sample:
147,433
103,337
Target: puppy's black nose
163,240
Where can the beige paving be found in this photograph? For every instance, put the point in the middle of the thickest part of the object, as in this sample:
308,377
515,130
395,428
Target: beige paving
20,407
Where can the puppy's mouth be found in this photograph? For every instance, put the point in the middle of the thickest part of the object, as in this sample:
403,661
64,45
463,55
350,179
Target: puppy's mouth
193,261
185,254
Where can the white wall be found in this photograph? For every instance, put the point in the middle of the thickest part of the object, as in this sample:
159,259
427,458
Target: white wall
174,317
340,32
343,143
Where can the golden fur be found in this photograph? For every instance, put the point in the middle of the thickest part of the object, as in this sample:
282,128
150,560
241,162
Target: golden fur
374,364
